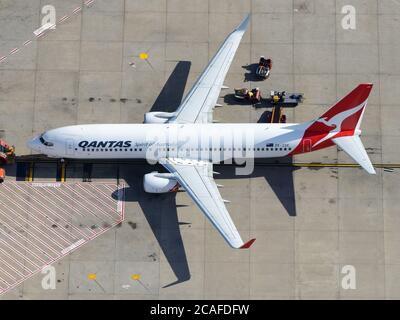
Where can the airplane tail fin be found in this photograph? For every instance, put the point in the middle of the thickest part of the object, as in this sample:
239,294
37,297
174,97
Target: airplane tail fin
341,125
347,114
349,111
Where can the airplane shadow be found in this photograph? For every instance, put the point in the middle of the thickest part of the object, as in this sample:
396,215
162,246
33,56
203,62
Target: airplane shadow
171,95
169,238
265,117
160,211
280,179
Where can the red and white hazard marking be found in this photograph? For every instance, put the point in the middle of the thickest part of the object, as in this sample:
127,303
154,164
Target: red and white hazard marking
45,29
88,3
42,222
76,10
63,19
14,51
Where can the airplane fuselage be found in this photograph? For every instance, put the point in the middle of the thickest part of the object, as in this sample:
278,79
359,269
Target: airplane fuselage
216,142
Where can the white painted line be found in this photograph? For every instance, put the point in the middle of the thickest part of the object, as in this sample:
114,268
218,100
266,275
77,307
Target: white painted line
32,226
7,284
76,203
97,199
37,239
15,50
40,213
73,246
120,204
63,19
82,199
48,217
88,2
109,187
65,203
27,236
77,10
13,249
16,261
3,58
27,42
15,241
65,221
30,233
108,196
9,275
9,266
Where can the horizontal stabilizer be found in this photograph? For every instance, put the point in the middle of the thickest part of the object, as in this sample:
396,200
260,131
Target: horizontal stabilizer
353,146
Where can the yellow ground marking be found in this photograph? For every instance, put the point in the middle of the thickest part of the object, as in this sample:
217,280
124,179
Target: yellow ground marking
143,56
135,277
63,172
92,276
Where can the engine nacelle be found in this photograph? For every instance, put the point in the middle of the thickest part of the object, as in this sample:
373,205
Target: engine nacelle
157,117
155,182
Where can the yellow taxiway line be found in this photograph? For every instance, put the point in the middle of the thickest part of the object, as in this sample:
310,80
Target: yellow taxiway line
343,165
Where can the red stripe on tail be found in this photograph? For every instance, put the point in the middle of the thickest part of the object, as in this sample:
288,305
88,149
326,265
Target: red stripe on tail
355,98
341,120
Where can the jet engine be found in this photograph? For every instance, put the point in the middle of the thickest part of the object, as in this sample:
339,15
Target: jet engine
155,182
157,117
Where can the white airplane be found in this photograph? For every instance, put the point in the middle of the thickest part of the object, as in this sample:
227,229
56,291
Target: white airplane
187,142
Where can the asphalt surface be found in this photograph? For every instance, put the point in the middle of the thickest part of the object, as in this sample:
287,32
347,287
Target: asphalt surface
309,222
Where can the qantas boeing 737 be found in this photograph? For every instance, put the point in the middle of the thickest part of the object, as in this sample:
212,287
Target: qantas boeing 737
187,142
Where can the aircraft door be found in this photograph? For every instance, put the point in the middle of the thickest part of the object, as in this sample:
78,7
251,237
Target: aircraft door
307,145
70,147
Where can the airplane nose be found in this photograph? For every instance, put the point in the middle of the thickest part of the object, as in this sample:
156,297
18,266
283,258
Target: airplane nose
34,144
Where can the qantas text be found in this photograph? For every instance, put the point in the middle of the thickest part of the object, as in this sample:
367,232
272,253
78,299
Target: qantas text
105,144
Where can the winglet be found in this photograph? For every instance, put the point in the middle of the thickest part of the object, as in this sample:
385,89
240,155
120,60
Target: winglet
248,244
243,25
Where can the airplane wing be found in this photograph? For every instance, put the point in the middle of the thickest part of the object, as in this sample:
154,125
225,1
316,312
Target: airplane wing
202,98
197,179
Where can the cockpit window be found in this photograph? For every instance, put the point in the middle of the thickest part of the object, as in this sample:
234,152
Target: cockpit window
46,143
